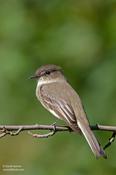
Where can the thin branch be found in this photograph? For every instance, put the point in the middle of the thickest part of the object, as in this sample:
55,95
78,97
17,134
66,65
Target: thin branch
14,130
20,128
33,127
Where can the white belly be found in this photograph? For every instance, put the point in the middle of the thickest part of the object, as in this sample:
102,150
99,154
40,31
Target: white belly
38,95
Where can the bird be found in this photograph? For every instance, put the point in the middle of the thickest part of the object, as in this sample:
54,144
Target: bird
59,98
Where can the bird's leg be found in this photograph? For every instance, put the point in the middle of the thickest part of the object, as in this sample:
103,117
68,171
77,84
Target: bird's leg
69,128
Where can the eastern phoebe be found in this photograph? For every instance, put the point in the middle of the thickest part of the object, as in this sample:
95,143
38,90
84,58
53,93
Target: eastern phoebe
58,97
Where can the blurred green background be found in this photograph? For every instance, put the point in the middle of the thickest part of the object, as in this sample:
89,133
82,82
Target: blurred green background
80,36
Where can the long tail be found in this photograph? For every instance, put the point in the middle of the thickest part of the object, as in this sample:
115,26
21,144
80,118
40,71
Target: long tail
91,139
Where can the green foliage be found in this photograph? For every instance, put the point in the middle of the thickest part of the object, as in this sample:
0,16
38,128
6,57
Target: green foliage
80,36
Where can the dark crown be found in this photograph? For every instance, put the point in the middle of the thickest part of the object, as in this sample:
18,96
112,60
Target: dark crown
47,69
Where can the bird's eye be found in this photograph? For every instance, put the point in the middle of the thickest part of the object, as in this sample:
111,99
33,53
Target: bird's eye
48,72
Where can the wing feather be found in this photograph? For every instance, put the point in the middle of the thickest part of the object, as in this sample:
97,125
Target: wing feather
59,108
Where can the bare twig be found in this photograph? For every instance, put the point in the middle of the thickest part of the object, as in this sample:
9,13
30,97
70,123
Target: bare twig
51,133
33,127
14,130
111,140
51,127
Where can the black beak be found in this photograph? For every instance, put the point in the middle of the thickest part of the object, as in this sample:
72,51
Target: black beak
33,77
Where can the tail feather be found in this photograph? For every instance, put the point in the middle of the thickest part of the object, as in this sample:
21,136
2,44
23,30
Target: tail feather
91,139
